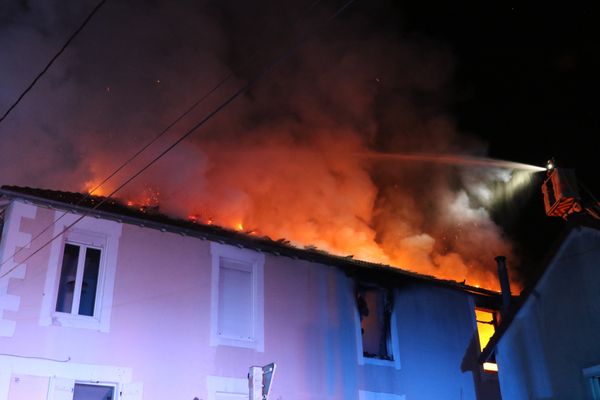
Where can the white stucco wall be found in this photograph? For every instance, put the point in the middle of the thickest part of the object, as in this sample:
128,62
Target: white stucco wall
159,333
555,335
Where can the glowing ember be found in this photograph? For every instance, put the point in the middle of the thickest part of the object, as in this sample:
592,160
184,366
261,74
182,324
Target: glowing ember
91,187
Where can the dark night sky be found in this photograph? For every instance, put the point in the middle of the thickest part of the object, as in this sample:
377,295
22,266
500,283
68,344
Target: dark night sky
527,82
492,79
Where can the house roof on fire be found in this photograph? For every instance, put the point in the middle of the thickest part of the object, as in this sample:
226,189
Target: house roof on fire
113,209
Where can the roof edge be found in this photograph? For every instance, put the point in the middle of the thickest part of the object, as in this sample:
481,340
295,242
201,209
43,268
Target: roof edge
234,238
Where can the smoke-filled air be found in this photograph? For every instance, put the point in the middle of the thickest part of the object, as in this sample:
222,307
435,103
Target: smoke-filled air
312,153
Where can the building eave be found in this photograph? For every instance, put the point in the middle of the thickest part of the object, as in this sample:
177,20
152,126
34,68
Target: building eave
115,211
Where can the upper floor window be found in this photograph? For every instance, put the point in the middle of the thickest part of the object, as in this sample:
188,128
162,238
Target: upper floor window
486,327
377,342
78,284
237,310
81,274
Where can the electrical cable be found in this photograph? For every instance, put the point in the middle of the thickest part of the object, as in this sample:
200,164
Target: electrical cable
122,166
62,49
140,151
243,89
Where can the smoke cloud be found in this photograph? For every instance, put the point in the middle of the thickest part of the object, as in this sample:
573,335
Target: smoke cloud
286,159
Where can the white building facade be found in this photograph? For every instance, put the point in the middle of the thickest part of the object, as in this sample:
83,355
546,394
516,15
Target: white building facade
550,349
121,307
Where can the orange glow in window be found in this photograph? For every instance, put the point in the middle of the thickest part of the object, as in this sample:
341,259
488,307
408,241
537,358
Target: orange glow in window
490,366
485,326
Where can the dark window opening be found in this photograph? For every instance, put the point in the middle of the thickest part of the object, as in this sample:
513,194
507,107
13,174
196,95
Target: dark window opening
93,392
375,307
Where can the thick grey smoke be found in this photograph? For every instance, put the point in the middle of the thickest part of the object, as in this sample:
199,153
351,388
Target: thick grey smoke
286,159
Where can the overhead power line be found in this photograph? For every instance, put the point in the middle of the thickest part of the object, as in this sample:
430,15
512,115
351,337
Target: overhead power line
140,151
243,89
62,49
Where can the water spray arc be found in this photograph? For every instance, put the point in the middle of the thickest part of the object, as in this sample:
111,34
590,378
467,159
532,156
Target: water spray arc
451,159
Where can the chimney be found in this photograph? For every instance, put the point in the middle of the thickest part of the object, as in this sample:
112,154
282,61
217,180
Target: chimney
504,284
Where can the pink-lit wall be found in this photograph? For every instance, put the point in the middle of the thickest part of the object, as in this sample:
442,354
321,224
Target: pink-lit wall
160,327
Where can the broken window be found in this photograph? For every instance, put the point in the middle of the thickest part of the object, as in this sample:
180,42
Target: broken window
78,279
486,327
375,307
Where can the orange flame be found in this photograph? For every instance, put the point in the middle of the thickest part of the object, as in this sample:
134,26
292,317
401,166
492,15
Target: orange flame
316,198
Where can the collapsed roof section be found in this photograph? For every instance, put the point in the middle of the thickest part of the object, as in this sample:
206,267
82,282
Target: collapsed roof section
112,209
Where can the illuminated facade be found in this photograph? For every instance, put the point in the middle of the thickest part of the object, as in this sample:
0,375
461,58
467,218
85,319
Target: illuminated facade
124,305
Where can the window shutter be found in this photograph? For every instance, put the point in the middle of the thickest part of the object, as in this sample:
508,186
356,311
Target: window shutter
131,391
61,388
236,300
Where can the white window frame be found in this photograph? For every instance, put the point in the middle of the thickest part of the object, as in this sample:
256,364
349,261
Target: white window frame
216,385
89,232
256,261
592,376
362,360
85,241
62,376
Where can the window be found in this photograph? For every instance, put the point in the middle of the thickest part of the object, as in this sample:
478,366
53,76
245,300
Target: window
486,327
377,326
225,388
81,274
595,386
78,279
84,391
237,315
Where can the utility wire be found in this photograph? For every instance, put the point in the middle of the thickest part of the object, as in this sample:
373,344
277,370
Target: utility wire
123,165
62,49
243,89
140,151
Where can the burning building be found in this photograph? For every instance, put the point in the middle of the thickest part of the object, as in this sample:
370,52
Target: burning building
121,303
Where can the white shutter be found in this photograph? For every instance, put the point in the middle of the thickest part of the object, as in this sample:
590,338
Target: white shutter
236,301
61,388
131,391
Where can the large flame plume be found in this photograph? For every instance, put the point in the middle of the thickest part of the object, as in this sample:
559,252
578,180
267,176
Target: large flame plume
287,160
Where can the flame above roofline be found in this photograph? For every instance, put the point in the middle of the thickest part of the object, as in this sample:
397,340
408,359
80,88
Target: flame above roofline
117,211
